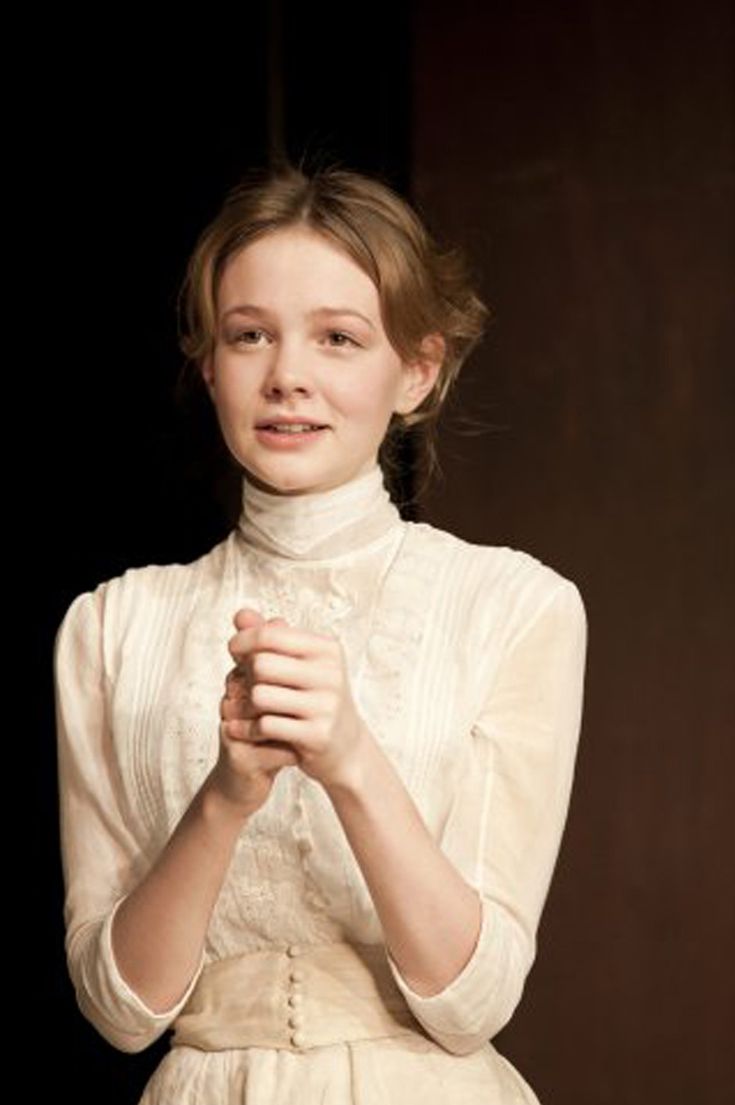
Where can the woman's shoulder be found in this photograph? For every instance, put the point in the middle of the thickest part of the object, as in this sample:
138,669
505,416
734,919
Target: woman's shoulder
145,589
501,565
490,585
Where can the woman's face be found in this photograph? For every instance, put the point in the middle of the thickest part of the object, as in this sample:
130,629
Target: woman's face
300,337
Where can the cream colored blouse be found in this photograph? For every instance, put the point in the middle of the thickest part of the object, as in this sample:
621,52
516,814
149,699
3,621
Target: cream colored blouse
467,664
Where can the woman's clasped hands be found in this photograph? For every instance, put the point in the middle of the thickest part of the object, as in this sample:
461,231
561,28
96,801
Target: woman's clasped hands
287,701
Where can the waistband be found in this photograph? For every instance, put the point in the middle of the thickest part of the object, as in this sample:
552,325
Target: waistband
295,998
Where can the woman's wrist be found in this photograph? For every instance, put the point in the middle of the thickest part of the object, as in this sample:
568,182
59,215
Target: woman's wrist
218,809
352,778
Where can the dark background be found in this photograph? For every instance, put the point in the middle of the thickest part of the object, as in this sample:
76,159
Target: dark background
582,153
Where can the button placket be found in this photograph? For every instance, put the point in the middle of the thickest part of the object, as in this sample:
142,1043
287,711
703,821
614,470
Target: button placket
295,998
313,896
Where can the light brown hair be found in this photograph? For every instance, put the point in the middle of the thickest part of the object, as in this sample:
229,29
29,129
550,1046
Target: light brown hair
423,288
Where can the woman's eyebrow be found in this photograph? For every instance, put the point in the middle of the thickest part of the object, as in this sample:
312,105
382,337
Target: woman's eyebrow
252,309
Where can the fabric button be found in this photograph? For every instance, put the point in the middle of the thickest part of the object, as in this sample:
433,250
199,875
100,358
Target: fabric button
293,949
305,846
296,1020
298,1039
295,999
296,975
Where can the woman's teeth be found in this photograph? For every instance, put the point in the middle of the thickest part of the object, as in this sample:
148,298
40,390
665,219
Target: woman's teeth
294,428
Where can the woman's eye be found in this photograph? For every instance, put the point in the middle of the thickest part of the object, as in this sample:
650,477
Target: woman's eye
247,334
336,338
345,339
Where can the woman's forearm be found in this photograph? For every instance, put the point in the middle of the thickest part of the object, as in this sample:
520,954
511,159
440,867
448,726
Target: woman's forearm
158,931
430,915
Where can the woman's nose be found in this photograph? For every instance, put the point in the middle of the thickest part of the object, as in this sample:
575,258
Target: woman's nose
287,370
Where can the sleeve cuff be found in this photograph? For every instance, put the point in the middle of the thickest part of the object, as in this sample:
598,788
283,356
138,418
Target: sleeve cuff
478,1001
125,994
450,1004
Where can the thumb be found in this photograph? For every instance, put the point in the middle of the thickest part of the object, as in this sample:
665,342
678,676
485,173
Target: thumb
247,618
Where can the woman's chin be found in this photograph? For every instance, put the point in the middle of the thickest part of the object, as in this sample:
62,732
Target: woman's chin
283,484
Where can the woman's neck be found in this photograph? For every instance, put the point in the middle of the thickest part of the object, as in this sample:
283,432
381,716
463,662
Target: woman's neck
318,525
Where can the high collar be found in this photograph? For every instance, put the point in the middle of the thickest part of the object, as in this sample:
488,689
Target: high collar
319,524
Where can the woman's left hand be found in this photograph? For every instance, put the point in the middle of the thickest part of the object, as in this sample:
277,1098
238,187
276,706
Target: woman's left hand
300,690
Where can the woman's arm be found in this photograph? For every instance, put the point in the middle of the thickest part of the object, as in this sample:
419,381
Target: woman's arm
135,928
430,915
101,853
460,951
158,931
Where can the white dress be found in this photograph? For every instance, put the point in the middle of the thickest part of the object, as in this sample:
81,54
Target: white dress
467,664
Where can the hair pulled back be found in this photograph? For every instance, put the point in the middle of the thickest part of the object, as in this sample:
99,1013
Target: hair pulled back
423,288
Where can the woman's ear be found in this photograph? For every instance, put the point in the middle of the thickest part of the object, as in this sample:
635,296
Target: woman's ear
207,370
420,374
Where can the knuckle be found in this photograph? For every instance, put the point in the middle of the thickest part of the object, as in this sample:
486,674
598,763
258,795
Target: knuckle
259,666
232,728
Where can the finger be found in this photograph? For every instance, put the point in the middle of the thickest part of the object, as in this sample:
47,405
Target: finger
236,683
246,617
233,729
233,709
282,638
236,701
244,643
263,731
263,754
247,638
287,671
270,698
277,727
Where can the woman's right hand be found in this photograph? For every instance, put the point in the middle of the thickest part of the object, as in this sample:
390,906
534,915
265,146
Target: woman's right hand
245,770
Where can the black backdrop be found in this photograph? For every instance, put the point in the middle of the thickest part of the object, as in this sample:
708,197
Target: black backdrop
142,134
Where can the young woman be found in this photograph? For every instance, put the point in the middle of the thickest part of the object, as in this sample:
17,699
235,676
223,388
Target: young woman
313,784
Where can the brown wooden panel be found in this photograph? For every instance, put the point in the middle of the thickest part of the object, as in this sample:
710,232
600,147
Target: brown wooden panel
584,156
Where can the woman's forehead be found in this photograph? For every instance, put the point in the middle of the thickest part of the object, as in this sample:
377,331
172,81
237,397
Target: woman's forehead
297,265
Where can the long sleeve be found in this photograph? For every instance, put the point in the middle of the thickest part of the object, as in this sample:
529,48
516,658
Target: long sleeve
505,827
102,862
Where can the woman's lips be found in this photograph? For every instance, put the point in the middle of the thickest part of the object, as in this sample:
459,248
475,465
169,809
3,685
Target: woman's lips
288,439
